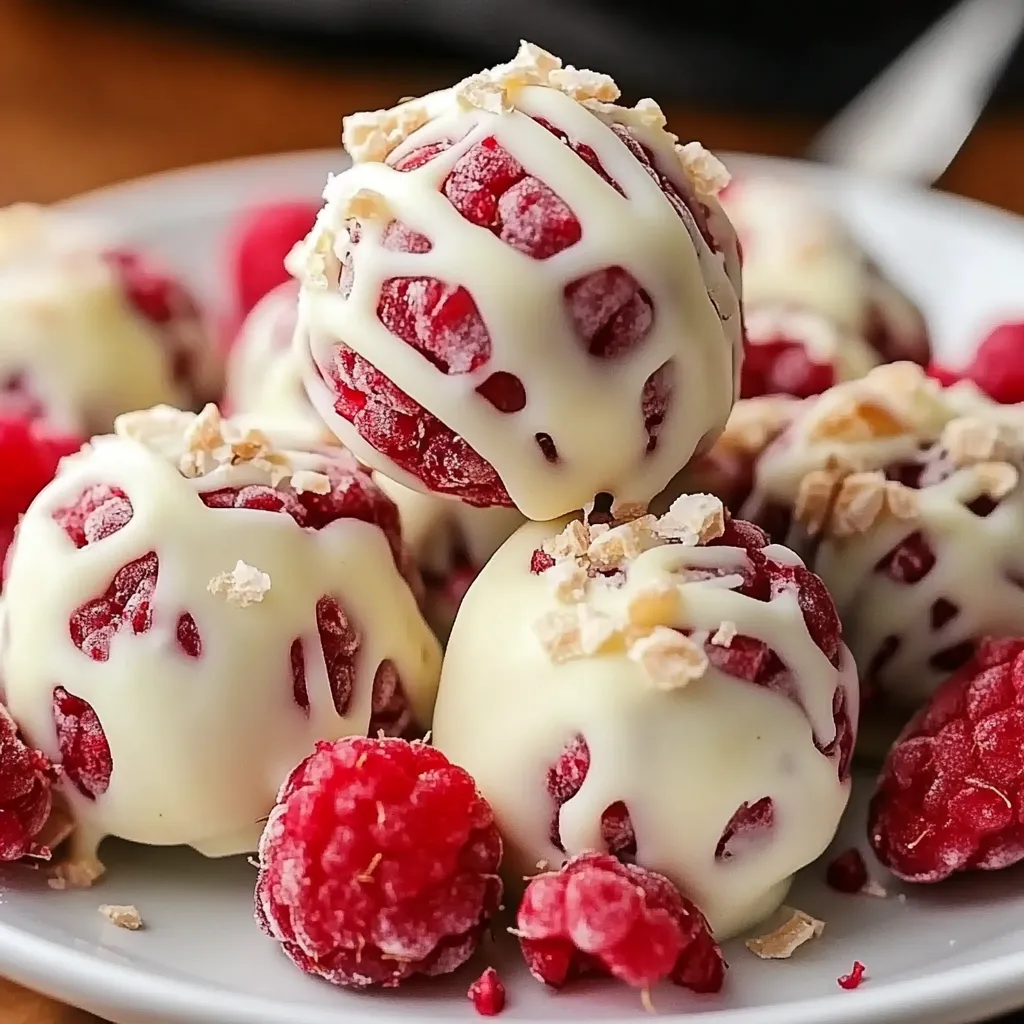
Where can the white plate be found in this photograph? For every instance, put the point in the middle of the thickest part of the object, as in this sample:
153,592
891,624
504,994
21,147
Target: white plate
944,956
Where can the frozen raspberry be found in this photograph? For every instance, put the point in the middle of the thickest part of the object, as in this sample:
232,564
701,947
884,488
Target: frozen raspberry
379,862
783,366
263,238
847,873
998,364
29,453
26,780
84,751
855,978
487,994
609,310
598,916
950,797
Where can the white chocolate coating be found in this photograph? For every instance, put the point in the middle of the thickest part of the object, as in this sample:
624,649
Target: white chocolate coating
591,408
682,760
445,537
826,468
797,252
200,745
69,332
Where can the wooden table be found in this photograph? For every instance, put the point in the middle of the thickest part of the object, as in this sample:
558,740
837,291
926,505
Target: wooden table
87,99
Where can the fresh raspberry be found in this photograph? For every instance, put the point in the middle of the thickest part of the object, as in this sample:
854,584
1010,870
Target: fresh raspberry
611,312
847,872
950,797
30,453
783,366
487,994
945,376
379,862
745,658
599,916
165,302
854,979
262,239
84,752
26,781
997,366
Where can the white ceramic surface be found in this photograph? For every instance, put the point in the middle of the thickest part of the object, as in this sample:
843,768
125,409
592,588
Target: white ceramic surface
945,956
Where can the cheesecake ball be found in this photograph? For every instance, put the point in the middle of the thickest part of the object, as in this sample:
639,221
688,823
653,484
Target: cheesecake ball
189,608
674,691
522,294
905,498
90,329
800,255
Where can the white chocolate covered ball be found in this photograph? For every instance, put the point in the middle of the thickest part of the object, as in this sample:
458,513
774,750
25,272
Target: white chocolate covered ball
522,294
189,608
669,690
905,497
89,329
798,253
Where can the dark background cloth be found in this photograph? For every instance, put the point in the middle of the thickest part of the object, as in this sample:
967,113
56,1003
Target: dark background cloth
801,56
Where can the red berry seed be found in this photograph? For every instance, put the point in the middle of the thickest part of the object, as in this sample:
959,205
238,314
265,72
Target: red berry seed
949,797
599,916
26,781
378,863
854,979
847,872
487,994
611,312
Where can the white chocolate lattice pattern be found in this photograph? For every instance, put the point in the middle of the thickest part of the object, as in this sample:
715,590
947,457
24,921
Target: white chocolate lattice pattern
590,407
74,345
879,478
204,717
590,650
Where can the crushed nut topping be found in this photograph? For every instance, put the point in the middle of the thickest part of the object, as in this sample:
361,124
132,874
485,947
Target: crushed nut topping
706,173
654,605
669,659
243,586
307,480
969,440
875,889
366,205
756,422
784,941
857,420
575,633
692,519
371,136
126,917
569,577
572,542
997,479
75,873
814,499
621,544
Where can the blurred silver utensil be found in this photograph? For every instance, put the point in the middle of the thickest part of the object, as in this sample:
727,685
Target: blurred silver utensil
912,120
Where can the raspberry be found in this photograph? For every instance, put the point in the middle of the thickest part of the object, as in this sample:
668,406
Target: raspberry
84,751
611,312
854,979
379,862
263,238
950,796
847,873
487,994
29,453
783,366
26,781
998,364
598,916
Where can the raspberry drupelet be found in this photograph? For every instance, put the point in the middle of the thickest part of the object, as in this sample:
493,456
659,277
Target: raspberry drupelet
799,256
449,540
599,676
522,294
949,797
904,497
596,915
90,329
27,777
379,862
190,605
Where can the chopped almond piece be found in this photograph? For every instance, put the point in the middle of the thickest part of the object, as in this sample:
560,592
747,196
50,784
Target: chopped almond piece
126,917
785,940
670,659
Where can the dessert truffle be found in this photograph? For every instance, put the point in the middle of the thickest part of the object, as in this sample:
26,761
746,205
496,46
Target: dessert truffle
800,256
189,607
89,329
905,498
522,294
673,690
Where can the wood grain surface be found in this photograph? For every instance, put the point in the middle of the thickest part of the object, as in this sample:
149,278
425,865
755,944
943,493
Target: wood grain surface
88,99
